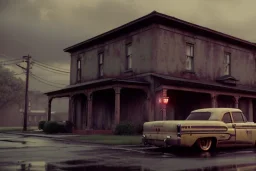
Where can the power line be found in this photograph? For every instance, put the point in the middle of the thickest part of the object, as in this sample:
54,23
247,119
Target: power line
19,73
49,70
13,59
10,62
51,67
46,80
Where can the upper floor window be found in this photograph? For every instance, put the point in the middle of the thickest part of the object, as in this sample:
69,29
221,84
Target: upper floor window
190,56
227,68
129,56
226,118
101,61
78,78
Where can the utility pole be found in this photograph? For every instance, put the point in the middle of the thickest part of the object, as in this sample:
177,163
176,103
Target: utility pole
27,60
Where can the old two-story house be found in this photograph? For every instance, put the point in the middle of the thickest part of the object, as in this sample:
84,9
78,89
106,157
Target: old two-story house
156,68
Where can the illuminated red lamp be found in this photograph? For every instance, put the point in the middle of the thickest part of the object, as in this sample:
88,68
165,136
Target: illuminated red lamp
164,100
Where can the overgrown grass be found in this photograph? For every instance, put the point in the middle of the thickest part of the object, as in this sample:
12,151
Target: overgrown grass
108,139
13,129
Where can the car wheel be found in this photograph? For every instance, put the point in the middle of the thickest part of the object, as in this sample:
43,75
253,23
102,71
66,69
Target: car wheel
204,144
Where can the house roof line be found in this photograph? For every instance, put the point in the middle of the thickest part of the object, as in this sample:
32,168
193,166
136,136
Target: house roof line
162,16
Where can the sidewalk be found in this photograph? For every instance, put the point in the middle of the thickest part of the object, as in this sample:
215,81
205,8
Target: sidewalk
54,136
121,141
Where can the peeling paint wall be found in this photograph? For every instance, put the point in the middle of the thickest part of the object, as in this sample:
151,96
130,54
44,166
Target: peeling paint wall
115,56
208,56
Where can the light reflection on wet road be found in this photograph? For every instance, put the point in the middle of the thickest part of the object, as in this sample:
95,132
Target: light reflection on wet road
24,153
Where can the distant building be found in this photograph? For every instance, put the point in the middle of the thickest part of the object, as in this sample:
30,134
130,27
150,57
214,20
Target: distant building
12,114
127,73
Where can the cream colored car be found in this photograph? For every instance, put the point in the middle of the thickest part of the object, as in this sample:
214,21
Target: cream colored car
204,128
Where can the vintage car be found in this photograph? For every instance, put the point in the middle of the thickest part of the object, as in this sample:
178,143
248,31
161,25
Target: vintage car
205,129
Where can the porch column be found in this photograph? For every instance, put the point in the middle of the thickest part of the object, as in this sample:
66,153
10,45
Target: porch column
84,112
237,101
117,105
49,108
150,115
214,100
250,110
71,106
164,105
89,110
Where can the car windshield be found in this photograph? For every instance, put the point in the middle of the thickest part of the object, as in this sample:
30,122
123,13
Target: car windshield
199,116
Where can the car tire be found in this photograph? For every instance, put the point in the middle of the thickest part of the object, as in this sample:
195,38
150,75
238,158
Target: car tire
205,144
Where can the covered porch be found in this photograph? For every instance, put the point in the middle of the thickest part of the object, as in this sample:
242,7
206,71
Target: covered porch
186,95
98,106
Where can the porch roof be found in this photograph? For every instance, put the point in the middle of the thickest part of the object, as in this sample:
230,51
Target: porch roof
204,84
92,84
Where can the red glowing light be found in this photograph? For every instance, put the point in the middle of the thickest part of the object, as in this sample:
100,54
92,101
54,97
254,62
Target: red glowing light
163,100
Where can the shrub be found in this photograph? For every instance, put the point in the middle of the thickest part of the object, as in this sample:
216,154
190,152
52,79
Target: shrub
139,129
52,127
69,125
127,128
41,125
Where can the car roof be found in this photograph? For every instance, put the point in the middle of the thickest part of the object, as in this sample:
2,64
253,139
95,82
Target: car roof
213,110
217,113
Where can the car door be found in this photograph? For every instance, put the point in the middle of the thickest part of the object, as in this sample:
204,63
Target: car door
239,124
228,138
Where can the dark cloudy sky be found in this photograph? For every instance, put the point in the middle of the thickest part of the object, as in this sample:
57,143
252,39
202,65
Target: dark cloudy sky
43,28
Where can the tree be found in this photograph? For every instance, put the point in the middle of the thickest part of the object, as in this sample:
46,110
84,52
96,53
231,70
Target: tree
11,88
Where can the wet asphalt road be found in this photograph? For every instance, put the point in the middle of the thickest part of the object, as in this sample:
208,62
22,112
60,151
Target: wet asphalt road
44,154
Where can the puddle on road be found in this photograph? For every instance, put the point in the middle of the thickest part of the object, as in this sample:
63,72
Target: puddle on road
14,141
103,168
24,166
80,165
192,153
245,167
73,165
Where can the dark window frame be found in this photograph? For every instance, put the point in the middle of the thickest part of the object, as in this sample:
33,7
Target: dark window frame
128,56
227,63
78,70
101,64
191,45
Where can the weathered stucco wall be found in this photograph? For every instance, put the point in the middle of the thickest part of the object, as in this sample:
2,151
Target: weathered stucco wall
208,56
115,56
133,106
